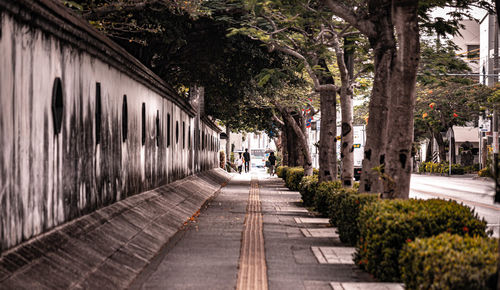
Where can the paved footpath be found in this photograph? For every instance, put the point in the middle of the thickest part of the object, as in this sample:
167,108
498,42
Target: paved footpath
256,235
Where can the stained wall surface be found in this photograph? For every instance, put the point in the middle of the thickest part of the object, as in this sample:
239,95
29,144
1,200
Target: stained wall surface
82,123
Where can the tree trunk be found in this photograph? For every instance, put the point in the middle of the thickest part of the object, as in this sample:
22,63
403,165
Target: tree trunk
284,147
440,142
301,138
428,152
228,146
374,153
328,136
328,127
403,79
346,94
293,148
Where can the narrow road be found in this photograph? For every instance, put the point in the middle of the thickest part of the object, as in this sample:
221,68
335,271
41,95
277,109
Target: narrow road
476,193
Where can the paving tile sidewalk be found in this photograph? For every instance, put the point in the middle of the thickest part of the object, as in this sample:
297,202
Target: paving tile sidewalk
207,254
292,237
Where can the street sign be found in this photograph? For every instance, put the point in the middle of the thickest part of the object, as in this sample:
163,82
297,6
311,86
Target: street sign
485,126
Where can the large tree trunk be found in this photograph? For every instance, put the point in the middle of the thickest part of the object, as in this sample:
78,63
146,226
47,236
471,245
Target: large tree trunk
301,138
293,146
400,133
328,128
328,136
384,52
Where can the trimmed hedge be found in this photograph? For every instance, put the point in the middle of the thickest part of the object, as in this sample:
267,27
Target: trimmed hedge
449,262
307,189
485,172
443,168
324,194
328,198
389,224
281,171
348,213
293,177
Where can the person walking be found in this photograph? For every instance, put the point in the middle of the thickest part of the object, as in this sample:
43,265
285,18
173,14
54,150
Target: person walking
272,163
239,163
246,157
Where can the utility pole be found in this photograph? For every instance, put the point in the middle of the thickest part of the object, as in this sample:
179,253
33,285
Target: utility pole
496,172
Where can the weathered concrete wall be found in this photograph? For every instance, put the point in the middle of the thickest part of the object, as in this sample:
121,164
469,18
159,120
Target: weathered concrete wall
108,248
55,67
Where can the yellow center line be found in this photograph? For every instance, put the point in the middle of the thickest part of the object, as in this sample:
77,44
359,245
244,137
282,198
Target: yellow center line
252,272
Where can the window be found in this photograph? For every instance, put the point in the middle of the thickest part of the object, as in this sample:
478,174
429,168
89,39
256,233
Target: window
57,105
183,134
98,112
177,132
472,51
143,123
168,130
124,118
157,128
189,137
202,140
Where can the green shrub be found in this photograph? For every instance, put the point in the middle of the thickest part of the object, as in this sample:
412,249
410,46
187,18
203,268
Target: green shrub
485,172
316,171
456,169
307,189
387,225
449,262
349,209
293,177
323,197
442,168
328,197
281,171
421,167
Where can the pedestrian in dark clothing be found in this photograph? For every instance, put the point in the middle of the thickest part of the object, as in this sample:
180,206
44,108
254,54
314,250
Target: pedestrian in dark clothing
246,156
272,163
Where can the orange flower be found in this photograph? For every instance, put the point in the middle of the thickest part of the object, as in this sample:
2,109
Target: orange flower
432,105
455,115
424,115
430,91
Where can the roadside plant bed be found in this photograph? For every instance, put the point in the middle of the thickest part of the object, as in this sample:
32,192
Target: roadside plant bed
307,188
293,177
281,171
450,261
348,213
386,226
443,168
485,172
